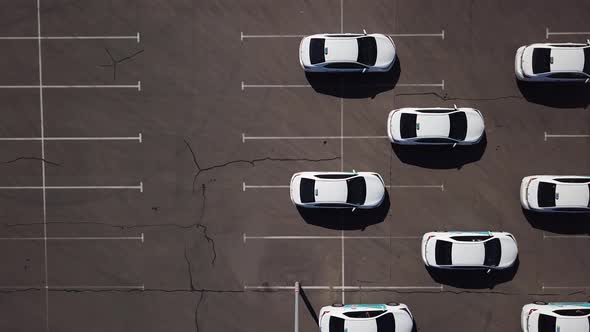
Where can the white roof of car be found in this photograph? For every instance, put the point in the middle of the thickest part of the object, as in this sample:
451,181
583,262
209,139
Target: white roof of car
341,49
433,124
567,59
572,194
468,253
330,191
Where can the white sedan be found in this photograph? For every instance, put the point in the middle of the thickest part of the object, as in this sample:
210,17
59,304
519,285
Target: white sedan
337,189
469,250
555,62
556,316
428,126
347,52
366,318
552,193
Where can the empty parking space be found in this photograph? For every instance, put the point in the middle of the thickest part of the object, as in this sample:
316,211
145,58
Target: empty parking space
19,63
22,213
20,114
25,261
20,164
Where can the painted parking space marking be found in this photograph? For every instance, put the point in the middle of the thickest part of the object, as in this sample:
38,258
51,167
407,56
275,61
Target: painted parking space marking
564,33
139,187
546,136
135,37
138,138
326,237
245,86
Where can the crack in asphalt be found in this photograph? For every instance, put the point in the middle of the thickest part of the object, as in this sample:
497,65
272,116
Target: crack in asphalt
115,62
31,158
189,268
201,297
445,96
251,162
203,227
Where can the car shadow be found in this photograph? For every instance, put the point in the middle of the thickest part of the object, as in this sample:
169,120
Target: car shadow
559,223
346,219
473,279
355,85
440,156
559,95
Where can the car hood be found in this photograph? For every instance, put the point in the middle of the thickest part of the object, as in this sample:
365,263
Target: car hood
430,253
475,126
294,189
394,124
509,252
375,190
385,51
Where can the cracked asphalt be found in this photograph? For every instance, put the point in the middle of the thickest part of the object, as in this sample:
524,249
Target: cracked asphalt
193,211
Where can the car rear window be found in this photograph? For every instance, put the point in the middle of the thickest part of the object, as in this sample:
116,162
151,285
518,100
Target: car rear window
442,253
546,323
587,60
458,121
408,125
493,252
541,60
546,194
306,190
386,323
367,50
336,324
357,190
316,50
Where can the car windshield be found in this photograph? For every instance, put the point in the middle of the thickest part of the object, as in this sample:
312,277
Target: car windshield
547,323
408,125
336,324
316,50
587,60
442,252
546,194
306,190
493,252
458,122
367,50
541,60
357,190
386,323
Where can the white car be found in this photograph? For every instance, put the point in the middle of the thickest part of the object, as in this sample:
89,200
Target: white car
391,317
428,126
469,250
347,52
337,189
556,317
554,62
552,193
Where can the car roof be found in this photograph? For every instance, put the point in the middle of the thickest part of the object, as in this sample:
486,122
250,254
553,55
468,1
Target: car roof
341,49
572,195
433,125
468,253
330,191
568,59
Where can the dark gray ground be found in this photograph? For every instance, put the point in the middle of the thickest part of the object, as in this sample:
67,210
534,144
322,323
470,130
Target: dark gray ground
194,263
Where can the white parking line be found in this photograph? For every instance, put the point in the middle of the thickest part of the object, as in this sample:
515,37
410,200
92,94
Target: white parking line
341,137
74,287
441,34
247,36
135,37
342,267
140,187
343,288
98,86
565,236
245,138
80,238
114,138
565,136
392,186
549,33
401,186
244,85
326,237
564,287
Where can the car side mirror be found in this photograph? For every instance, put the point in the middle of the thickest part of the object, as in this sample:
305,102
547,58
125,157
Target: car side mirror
488,271
454,144
365,32
364,70
455,106
354,208
587,80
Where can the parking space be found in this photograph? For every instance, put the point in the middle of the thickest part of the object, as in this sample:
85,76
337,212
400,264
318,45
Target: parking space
166,204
